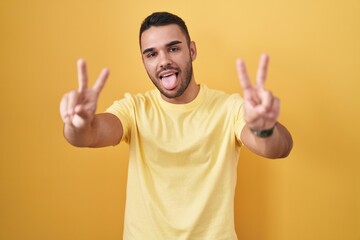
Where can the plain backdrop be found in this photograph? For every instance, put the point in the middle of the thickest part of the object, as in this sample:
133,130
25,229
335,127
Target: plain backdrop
51,190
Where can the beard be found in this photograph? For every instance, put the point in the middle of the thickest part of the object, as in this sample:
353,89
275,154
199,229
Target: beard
185,80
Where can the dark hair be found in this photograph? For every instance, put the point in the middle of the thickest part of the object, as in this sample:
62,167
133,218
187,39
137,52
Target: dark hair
157,19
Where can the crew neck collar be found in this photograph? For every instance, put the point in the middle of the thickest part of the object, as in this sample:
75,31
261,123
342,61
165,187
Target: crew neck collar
183,106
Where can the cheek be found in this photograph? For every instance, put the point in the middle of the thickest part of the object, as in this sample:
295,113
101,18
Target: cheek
149,67
185,62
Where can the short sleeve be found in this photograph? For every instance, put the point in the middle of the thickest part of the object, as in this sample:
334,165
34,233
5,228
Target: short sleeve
124,110
239,117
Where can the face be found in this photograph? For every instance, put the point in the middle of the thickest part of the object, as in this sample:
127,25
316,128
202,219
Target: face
167,58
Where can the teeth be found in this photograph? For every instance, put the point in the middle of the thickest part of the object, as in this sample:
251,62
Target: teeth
167,75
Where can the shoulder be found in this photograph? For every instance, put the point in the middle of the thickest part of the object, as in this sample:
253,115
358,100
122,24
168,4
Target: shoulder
219,96
130,103
139,99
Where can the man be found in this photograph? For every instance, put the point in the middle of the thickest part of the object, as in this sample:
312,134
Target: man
184,138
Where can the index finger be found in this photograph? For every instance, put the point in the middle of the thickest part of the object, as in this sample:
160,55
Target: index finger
82,75
242,73
100,82
262,70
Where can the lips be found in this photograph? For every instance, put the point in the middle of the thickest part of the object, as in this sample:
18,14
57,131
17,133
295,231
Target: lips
166,74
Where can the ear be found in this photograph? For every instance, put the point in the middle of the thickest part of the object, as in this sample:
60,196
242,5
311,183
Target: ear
193,51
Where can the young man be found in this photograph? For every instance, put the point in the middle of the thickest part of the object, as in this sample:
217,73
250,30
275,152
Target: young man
184,138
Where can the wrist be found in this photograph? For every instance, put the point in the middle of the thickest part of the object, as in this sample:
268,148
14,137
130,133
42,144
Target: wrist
78,136
265,133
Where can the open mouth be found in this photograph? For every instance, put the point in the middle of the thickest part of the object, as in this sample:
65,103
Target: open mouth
168,75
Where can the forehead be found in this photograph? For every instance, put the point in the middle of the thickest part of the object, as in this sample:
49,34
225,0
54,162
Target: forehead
157,36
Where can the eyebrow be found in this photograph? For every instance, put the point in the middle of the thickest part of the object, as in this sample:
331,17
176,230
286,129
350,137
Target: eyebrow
172,43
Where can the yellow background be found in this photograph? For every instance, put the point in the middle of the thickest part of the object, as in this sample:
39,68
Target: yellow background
51,190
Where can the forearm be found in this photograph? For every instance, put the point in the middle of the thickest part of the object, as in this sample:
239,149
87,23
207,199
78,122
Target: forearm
104,130
83,137
278,145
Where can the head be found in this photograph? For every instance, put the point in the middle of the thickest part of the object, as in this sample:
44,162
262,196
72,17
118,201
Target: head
158,19
167,54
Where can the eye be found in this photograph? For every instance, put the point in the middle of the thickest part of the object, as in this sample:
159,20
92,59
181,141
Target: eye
173,49
151,55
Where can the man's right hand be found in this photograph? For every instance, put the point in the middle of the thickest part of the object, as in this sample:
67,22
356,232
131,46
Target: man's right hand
78,107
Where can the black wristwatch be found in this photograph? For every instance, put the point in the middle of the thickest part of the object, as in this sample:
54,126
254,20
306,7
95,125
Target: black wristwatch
263,133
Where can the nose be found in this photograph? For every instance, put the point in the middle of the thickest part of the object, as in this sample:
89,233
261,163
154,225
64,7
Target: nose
164,60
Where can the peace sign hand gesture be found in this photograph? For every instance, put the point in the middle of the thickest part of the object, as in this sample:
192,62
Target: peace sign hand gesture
77,108
260,106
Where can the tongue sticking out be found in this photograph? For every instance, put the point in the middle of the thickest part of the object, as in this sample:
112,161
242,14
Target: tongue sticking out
169,82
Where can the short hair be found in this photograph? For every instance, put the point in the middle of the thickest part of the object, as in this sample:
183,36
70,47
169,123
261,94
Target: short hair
157,19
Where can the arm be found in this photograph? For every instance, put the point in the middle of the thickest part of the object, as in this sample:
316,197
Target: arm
104,130
278,145
261,111
82,127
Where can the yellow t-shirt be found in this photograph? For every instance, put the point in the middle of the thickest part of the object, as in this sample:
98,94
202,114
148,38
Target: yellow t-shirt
182,166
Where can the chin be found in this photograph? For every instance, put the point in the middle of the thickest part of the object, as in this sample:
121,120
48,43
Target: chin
171,93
